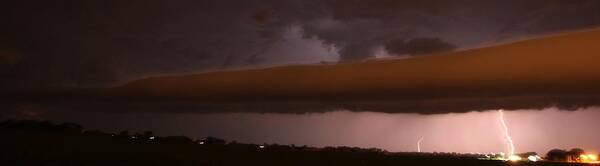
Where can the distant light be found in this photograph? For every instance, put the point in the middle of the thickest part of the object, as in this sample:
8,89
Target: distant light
534,158
514,158
588,158
152,137
593,157
261,146
583,157
201,142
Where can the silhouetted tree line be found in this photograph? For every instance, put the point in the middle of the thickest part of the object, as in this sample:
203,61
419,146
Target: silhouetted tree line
563,155
70,128
149,137
27,142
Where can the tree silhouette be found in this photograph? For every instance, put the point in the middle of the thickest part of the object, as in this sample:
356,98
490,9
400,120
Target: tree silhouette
556,155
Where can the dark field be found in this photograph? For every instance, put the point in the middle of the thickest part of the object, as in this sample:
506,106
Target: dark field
44,143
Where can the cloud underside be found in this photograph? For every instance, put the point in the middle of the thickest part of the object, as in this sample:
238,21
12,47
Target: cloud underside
100,43
424,106
557,71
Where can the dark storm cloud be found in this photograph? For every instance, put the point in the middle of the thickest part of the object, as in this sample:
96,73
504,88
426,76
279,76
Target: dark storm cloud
68,43
522,75
527,74
554,15
81,43
417,46
358,28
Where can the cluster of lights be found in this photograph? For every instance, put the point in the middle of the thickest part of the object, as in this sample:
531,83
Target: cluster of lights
588,158
531,158
514,158
584,158
534,158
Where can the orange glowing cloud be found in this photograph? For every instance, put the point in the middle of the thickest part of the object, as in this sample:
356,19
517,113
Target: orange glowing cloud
537,72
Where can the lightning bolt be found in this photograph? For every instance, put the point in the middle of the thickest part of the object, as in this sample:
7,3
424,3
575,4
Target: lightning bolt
419,144
506,134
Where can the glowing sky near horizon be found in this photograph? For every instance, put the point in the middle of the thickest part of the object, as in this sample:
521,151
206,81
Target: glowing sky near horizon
530,130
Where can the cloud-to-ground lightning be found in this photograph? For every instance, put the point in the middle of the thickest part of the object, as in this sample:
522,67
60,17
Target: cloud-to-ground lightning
509,140
419,144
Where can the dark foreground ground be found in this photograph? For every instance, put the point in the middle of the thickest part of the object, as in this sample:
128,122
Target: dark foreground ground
44,143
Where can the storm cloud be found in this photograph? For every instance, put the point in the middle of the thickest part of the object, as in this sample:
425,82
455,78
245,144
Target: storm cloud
527,74
69,43
418,46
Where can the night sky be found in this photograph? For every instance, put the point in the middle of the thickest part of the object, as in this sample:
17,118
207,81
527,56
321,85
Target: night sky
205,68
100,43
